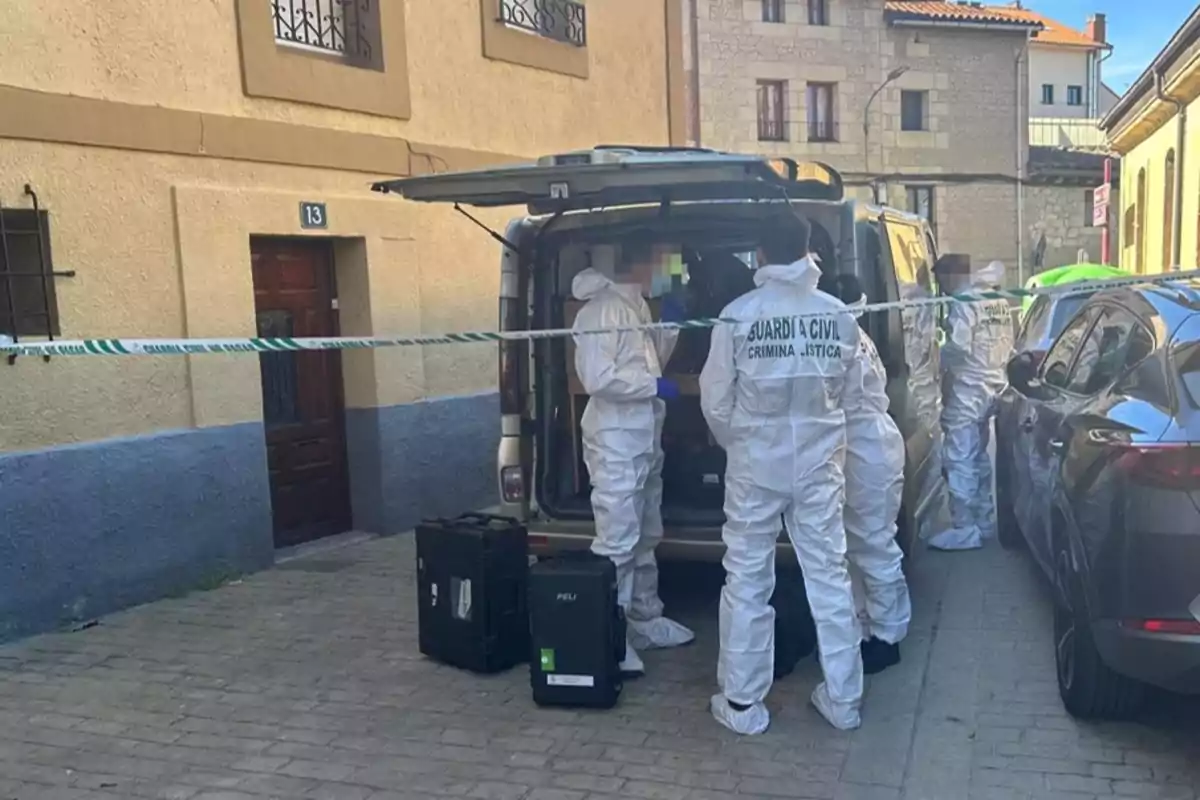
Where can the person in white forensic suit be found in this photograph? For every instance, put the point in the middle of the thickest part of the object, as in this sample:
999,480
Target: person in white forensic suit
621,372
979,343
875,456
772,393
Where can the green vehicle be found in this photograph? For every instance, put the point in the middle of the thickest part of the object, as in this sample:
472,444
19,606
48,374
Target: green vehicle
1072,273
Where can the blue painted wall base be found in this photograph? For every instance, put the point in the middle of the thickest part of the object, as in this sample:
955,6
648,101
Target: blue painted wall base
90,529
409,462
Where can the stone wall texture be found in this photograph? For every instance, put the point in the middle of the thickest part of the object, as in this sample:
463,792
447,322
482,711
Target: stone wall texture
1062,215
974,84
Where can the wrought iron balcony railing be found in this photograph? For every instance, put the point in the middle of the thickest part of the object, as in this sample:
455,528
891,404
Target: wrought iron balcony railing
561,20
338,27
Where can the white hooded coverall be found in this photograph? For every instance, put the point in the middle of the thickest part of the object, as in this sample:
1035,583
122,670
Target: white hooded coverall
875,456
978,346
622,448
772,393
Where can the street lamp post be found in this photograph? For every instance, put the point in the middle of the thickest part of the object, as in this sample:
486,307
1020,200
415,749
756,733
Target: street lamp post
891,76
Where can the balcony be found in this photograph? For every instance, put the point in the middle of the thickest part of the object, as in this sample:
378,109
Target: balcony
560,20
1070,133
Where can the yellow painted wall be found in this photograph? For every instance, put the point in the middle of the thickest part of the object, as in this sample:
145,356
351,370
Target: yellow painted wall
1151,155
160,242
186,55
161,248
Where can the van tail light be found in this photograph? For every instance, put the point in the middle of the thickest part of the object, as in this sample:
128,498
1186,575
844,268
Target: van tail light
512,484
510,358
1163,466
1176,627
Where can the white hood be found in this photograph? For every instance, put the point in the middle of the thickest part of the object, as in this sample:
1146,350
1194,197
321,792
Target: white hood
589,283
991,275
803,274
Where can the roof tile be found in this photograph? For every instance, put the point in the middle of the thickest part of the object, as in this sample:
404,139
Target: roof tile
1050,32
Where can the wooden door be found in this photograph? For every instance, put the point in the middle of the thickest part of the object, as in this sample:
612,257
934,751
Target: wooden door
303,408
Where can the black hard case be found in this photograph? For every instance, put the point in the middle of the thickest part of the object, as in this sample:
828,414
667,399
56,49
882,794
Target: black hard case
577,632
471,585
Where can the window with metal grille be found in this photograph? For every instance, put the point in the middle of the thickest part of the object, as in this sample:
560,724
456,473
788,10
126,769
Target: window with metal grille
920,202
347,28
818,12
772,10
771,123
1074,95
561,20
912,110
28,303
821,102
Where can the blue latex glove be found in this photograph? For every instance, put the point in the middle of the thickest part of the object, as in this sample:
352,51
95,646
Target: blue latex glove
672,309
667,389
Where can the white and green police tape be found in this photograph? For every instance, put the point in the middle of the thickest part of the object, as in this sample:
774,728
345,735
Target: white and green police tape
164,347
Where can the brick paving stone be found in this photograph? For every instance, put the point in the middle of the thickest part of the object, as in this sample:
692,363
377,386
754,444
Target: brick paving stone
308,685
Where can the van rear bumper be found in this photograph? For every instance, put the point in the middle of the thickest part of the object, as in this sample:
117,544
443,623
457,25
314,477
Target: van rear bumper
547,537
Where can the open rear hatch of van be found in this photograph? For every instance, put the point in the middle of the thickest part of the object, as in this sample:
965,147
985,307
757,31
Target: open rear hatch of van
608,177
645,183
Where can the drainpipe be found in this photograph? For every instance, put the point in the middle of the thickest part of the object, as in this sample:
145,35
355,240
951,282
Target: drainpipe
694,33
1100,80
1177,189
1022,132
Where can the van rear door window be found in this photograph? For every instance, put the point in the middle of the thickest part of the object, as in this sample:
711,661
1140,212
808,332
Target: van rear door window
907,246
910,254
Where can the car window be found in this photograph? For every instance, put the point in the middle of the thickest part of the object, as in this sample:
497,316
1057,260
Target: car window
1056,371
1088,369
1036,322
1066,308
1116,343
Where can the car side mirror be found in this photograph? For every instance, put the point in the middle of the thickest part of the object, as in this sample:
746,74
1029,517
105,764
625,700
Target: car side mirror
1022,372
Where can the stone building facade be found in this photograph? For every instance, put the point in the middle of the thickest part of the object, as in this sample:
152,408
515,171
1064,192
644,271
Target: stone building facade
947,136
1060,225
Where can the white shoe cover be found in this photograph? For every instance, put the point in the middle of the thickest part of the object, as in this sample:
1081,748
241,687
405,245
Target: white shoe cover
844,719
632,665
658,633
751,722
958,539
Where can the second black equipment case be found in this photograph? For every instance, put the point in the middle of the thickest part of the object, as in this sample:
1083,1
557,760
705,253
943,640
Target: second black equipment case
577,632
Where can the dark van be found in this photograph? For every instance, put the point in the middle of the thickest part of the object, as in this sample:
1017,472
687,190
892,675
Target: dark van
702,211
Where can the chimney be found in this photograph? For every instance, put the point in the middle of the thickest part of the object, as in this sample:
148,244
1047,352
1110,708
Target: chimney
1097,28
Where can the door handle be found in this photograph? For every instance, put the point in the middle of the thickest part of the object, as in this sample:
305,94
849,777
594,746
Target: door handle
1057,445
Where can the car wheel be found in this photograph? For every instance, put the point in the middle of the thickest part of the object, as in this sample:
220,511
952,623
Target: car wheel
1008,530
1089,688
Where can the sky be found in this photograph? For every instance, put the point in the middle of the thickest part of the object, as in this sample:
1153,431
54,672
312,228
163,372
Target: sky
1137,29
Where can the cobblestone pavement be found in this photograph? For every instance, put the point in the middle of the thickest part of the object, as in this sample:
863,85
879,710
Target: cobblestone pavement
304,682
